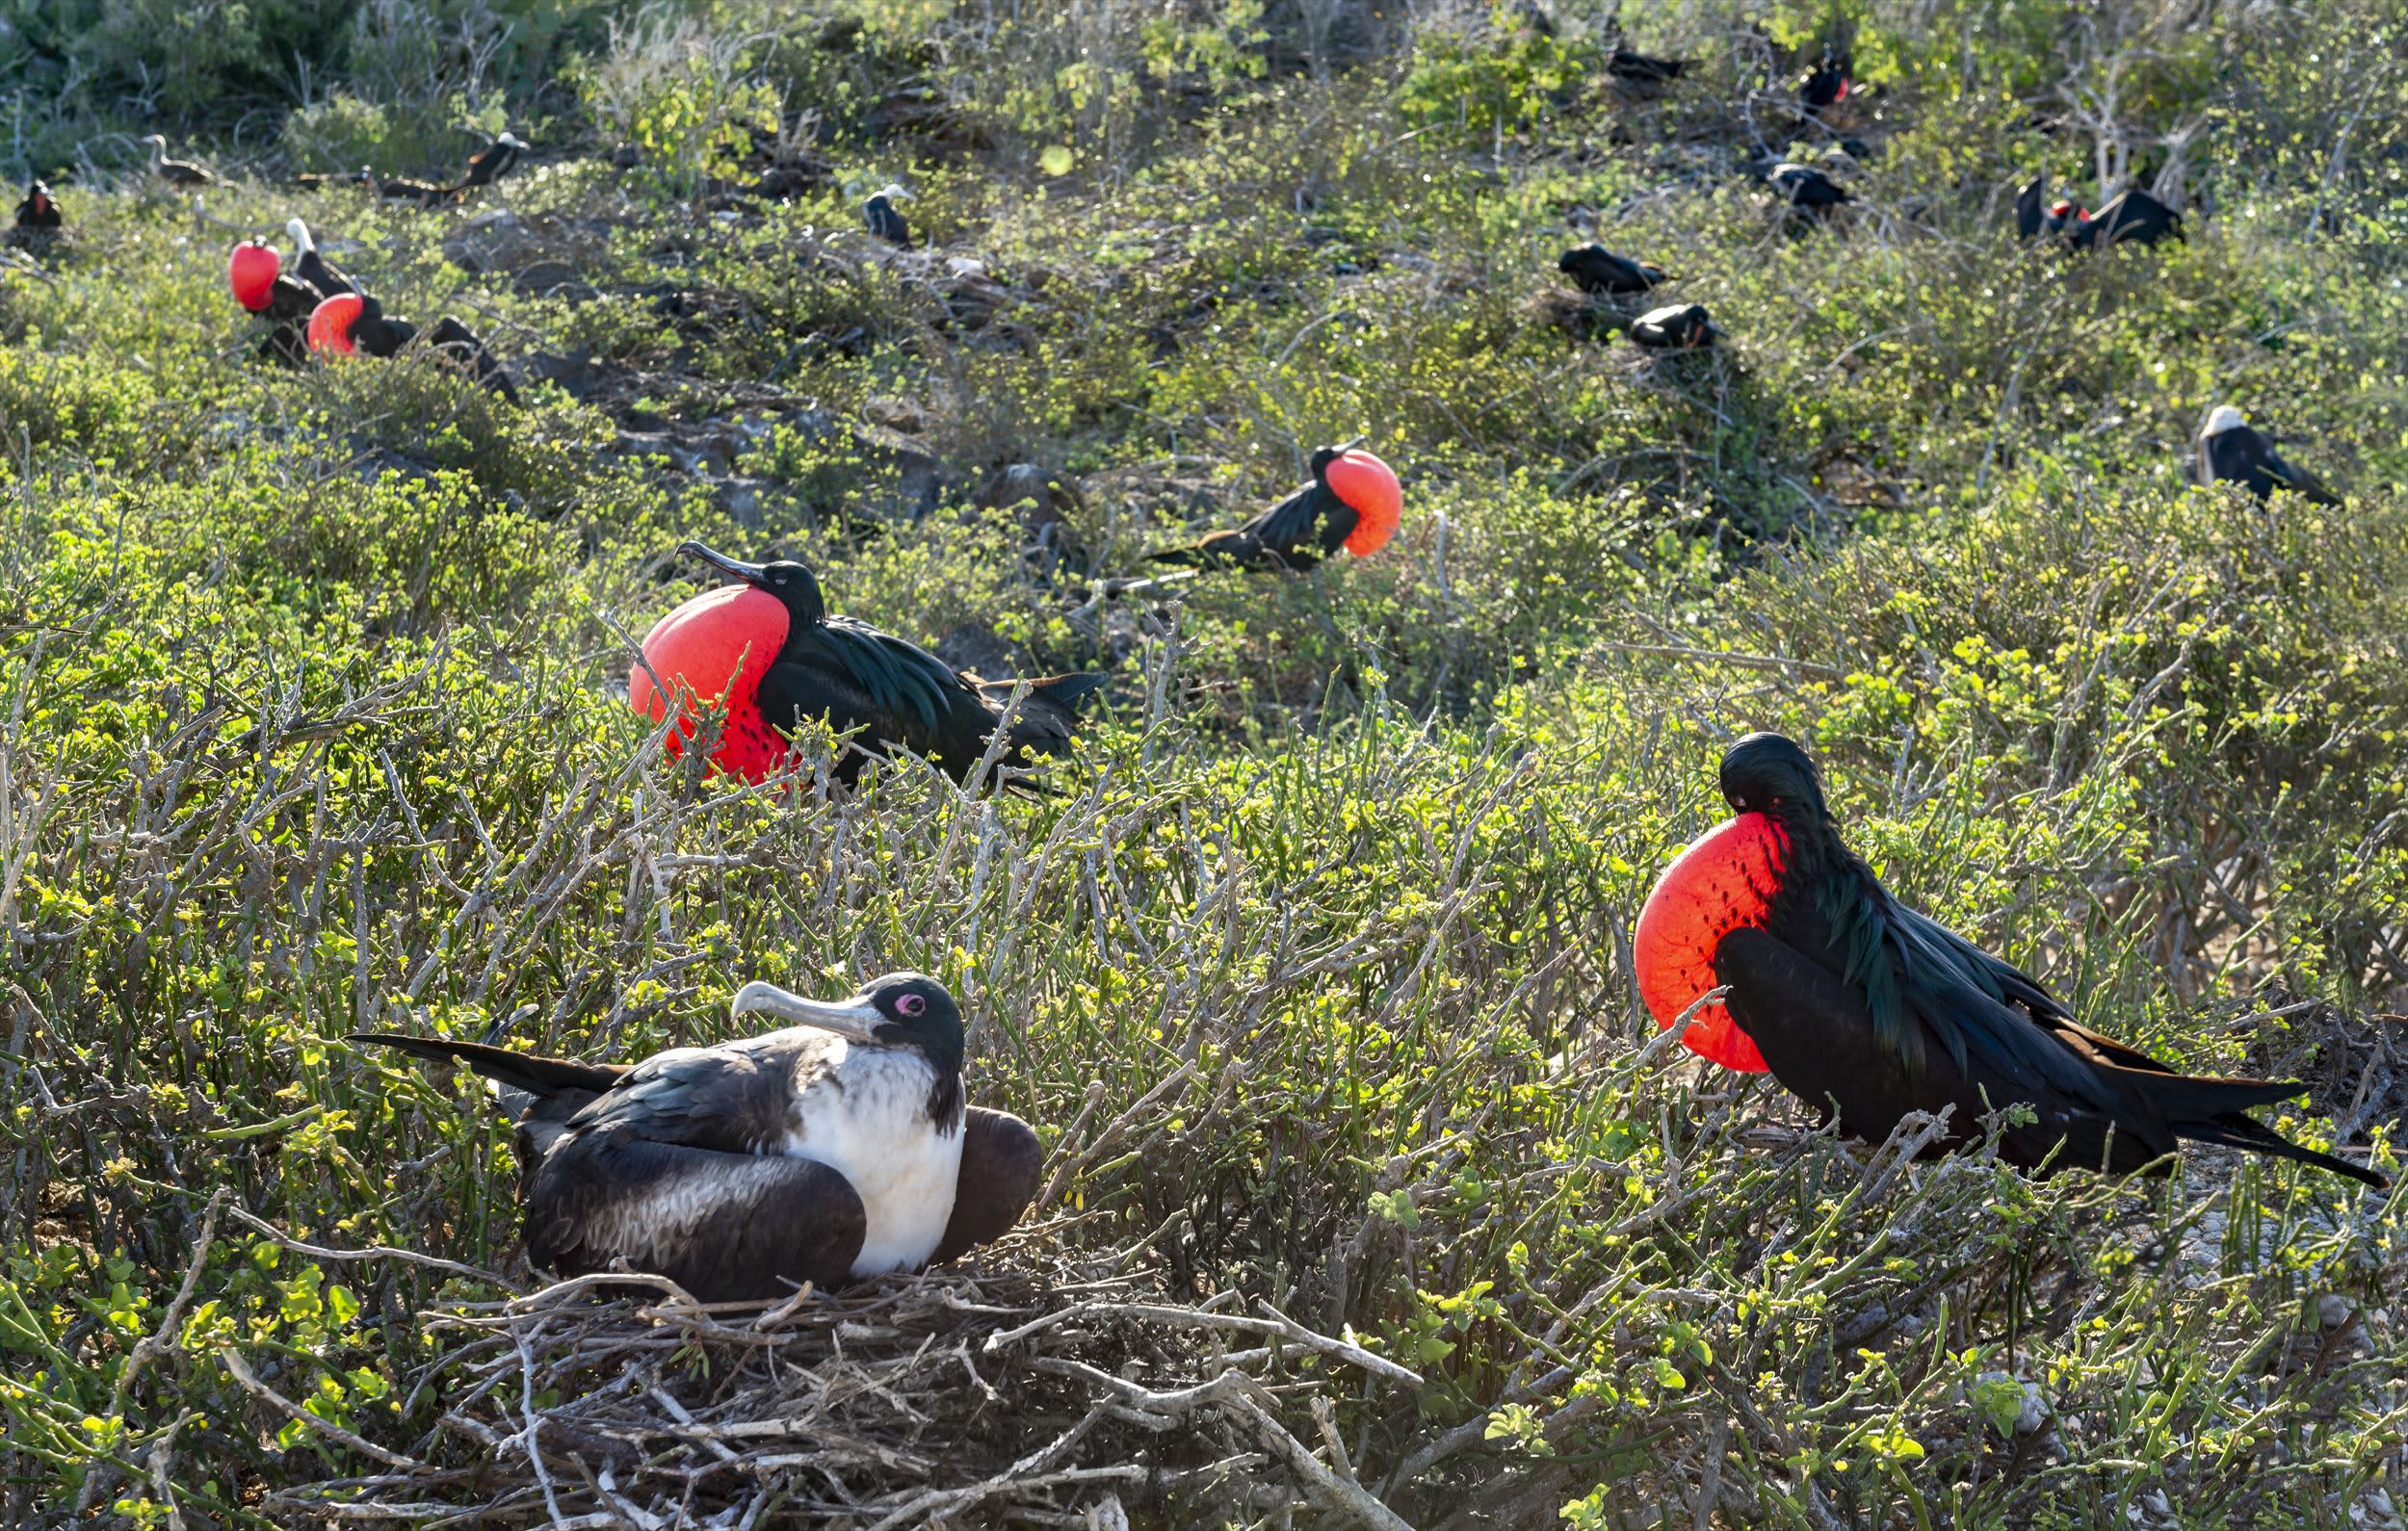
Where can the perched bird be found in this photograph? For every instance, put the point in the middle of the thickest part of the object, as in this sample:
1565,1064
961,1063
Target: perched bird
38,212
394,188
1676,327
833,1151
884,220
1353,504
178,172
1595,268
2028,217
2130,218
1862,1007
1825,84
355,322
494,160
311,267
769,648
1623,64
2230,451
1805,187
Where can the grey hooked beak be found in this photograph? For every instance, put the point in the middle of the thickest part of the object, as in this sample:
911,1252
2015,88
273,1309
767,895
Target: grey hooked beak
733,568
855,1019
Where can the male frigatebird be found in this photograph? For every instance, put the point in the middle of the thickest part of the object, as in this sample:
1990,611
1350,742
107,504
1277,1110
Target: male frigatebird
178,172
1862,1007
884,220
355,322
769,647
1352,504
2130,218
1825,84
1675,327
2230,450
1625,63
38,212
1595,268
494,160
832,1151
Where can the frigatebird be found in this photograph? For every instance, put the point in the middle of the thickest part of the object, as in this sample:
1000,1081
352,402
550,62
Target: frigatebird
1805,187
1825,84
1595,268
38,212
1867,1010
178,172
494,160
312,268
355,323
884,220
398,189
832,1151
769,648
1352,504
2130,218
1676,327
2230,450
1624,64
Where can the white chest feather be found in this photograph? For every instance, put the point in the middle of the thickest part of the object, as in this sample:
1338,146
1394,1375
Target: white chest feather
865,1116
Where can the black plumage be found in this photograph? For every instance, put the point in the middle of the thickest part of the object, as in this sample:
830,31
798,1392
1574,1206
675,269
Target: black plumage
1595,268
494,160
895,695
38,212
2028,213
2230,451
377,334
1825,84
885,221
1864,1008
1625,63
1293,535
742,1168
312,268
1677,326
178,172
400,188
2130,217
1802,186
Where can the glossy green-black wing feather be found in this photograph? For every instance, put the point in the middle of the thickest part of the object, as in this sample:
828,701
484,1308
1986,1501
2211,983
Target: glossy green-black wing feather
898,677
1310,517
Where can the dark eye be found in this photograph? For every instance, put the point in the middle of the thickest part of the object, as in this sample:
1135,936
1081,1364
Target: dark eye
911,1004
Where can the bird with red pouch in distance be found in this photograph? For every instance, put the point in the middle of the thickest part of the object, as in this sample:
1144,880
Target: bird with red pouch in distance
767,649
1352,505
1867,1010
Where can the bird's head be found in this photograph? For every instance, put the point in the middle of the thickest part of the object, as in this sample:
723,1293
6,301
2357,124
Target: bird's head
511,140
299,231
1368,487
892,192
899,1010
2223,418
334,324
1767,773
158,143
795,585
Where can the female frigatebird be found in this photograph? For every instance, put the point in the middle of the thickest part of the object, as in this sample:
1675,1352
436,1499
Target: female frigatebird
1862,1007
494,160
769,647
2230,448
1595,268
832,1151
1676,327
1353,502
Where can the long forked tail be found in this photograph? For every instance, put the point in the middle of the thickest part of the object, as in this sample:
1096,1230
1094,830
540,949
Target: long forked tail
1050,711
2209,1110
540,1076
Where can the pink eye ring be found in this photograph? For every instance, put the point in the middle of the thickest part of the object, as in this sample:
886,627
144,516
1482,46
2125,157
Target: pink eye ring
911,1004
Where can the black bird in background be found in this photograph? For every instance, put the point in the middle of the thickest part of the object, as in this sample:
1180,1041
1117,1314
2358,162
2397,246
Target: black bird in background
2230,451
38,212
1861,1006
835,1150
1802,186
1827,85
2130,218
884,220
1595,268
356,322
178,172
494,160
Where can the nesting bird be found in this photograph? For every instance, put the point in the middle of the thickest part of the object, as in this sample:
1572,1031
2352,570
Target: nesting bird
1676,327
38,212
884,220
1597,270
2133,216
1802,186
178,172
494,160
1867,1010
1352,505
769,648
2231,451
1825,84
1625,63
835,1150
